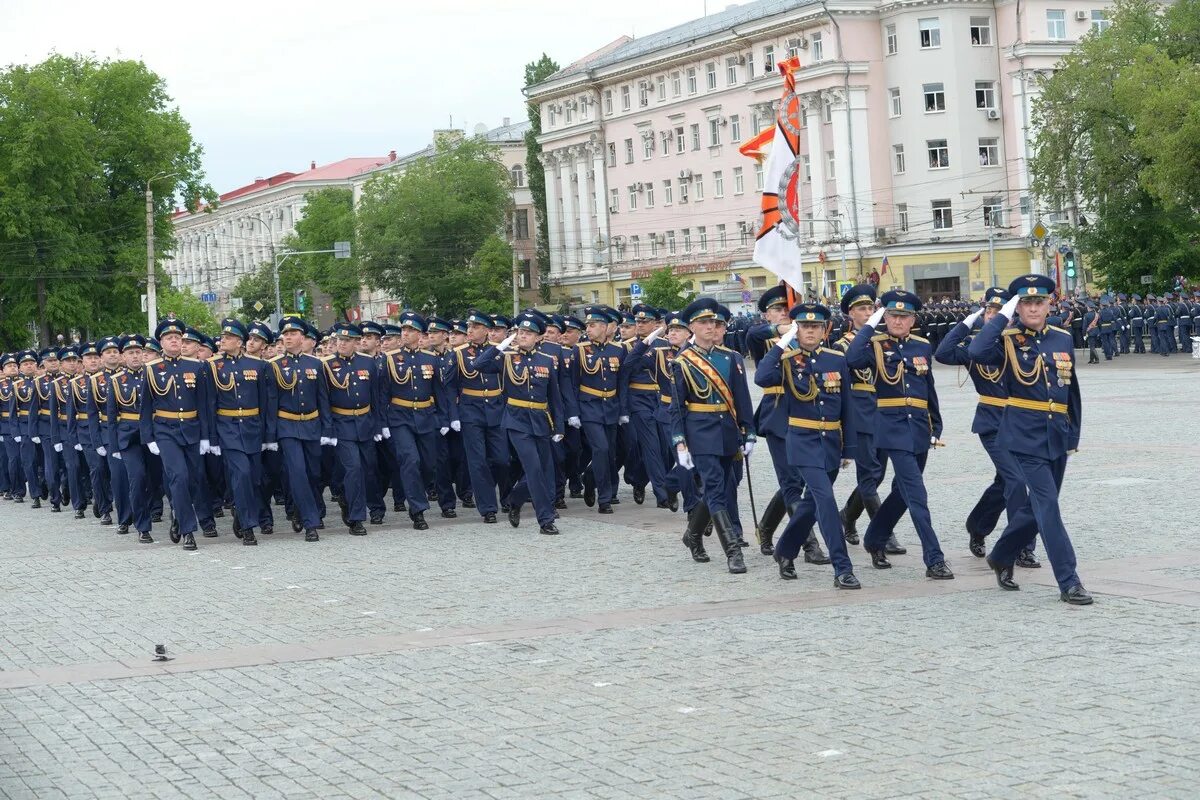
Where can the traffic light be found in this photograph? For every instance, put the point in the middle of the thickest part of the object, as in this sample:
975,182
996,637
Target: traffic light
1069,261
301,299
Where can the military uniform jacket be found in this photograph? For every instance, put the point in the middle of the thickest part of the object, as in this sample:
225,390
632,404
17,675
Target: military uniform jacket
663,357
354,388
240,401
1163,316
770,418
562,360
24,407
906,399
413,393
97,405
297,399
861,390
43,393
595,374
1137,317
1044,410
532,393
176,401
638,380
992,396
60,418
6,407
710,407
124,406
478,392
81,421
819,414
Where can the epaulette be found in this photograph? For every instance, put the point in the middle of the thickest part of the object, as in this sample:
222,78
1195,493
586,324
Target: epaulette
323,359
149,363
193,360
462,346
879,337
1011,331
1060,330
722,347
216,357
581,346
918,338
273,359
831,352
252,358
429,352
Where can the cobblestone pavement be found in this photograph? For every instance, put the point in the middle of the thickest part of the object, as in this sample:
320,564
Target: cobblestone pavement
480,661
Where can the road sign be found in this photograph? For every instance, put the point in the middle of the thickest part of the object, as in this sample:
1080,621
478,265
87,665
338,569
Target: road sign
745,297
341,249
208,297
1039,230
635,290
258,306
1147,279
844,286
235,302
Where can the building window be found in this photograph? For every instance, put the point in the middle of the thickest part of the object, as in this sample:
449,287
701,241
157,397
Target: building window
653,244
697,187
661,82
989,152
649,189
553,117
939,153
667,193
614,201
696,136
816,47
632,197
806,168
714,132
981,30
680,140
629,151
718,184
898,158
731,66
683,191
687,240
1100,21
750,65
624,98
985,94
647,146
739,184
517,173
676,84
931,32
758,176
671,242
935,97
892,42
612,154
643,94
702,232
1056,23
768,59
710,75
722,241
666,142
894,99
568,113
735,128
827,111
608,109
902,216
691,80
830,171
636,243
943,218
993,213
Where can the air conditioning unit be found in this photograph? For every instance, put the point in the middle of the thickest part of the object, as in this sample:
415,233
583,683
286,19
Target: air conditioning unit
639,186
880,234
742,60
685,174
724,121
1081,16
660,238
800,43
993,114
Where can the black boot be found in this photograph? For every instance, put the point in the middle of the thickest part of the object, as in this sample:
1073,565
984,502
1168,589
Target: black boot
849,515
237,524
698,518
772,516
723,526
37,503
144,538
189,541
357,529
247,537
813,554
418,521
311,535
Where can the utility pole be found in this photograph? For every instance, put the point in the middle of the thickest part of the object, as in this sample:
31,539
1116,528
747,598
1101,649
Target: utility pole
992,255
516,269
151,295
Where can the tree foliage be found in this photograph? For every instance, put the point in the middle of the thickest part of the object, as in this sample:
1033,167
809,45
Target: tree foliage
80,139
422,233
328,217
1119,133
259,287
536,72
664,289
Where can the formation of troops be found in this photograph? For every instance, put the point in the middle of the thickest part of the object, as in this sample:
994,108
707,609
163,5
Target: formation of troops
507,416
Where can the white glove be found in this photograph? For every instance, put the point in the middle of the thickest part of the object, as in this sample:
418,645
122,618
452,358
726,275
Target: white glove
1010,308
17,439
876,317
215,450
153,448
327,442
622,420
572,421
1,438
205,447
507,343
264,448
456,426
654,334
58,447
79,447
102,452
443,431
970,320
386,433
685,459
558,437
377,437
273,447
117,456
748,448
36,439
787,338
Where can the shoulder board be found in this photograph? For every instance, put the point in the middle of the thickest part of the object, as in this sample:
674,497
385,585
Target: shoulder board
1010,332
722,347
327,358
879,337
273,359
919,338
831,352
1060,330
149,363
581,346
217,357
429,352
364,355
463,346
252,358
193,360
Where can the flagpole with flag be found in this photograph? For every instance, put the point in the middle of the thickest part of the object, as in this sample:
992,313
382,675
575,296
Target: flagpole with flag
777,245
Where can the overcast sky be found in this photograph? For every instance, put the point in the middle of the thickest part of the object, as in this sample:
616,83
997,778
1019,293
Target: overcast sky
270,86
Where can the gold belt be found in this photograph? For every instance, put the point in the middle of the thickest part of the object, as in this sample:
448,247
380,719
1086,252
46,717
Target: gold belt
512,401
103,417
21,413
644,387
665,398
62,417
999,402
815,424
773,390
481,392
237,412
178,416
288,415
350,412
901,402
707,407
1038,405
399,401
130,417
81,416
45,412
605,393
863,387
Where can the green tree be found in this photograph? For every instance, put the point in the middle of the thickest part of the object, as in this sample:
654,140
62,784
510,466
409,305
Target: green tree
535,73
419,232
259,287
189,308
328,218
663,289
81,138
489,285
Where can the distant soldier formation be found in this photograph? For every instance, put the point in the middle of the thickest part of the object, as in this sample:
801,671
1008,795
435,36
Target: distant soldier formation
516,417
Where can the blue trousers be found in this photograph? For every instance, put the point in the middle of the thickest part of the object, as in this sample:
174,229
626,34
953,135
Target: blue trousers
243,475
16,469
487,455
870,465
29,463
654,458
302,464
818,504
1166,338
1139,346
907,494
120,490
1108,342
75,475
629,453
134,460
1185,337
792,488
716,476
537,480
1006,492
183,472
1043,479
53,466
443,473
272,464
411,450
602,441
678,479
357,460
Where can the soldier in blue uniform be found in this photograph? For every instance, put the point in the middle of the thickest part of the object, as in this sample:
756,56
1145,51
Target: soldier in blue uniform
118,489
354,384
62,436
908,424
84,429
442,470
1185,322
639,392
711,421
39,431
679,480
1040,426
572,444
123,407
25,413
1108,328
481,409
533,415
1007,490
1164,326
820,438
1137,324
10,431
594,377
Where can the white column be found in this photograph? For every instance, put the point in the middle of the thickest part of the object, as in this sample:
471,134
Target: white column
570,218
553,213
854,195
601,190
583,196
816,160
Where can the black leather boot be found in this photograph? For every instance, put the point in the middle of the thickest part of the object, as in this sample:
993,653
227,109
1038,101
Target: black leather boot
850,515
813,554
723,526
189,541
693,540
247,537
772,516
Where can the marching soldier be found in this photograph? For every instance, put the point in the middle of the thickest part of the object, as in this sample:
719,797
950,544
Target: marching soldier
594,374
62,433
44,386
85,429
125,400
25,412
118,490
481,409
10,431
639,393
353,382
441,471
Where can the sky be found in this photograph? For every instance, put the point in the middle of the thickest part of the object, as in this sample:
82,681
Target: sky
269,86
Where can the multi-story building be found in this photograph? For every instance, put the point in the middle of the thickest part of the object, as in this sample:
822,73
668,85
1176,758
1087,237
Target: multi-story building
916,125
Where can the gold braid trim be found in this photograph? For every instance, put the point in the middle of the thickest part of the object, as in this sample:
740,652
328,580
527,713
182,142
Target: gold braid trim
344,385
221,387
160,391
392,370
1025,378
881,367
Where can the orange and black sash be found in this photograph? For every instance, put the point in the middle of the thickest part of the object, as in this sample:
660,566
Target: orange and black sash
702,365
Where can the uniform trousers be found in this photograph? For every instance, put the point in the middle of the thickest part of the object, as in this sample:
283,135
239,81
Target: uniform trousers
602,441
653,457
716,476
183,473
134,459
443,475
272,464
120,490
1006,492
907,494
870,465
30,458
678,479
53,466
537,481
75,476
1043,479
302,465
358,461
16,469
1139,346
243,476
792,489
486,451
411,450
817,505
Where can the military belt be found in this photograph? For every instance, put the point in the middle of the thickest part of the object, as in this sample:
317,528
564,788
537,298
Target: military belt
306,417
45,412
863,387
703,407
999,402
815,424
400,401
604,393
81,416
665,398
178,416
350,412
512,401
772,390
481,392
103,417
62,417
237,412
1038,405
128,417
644,387
901,402
22,413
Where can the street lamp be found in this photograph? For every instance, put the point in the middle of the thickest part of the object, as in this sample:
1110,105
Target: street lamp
151,287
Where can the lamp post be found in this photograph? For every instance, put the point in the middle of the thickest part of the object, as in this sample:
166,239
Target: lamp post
151,283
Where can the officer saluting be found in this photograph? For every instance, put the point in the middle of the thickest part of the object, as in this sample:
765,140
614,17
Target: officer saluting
353,383
1041,426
